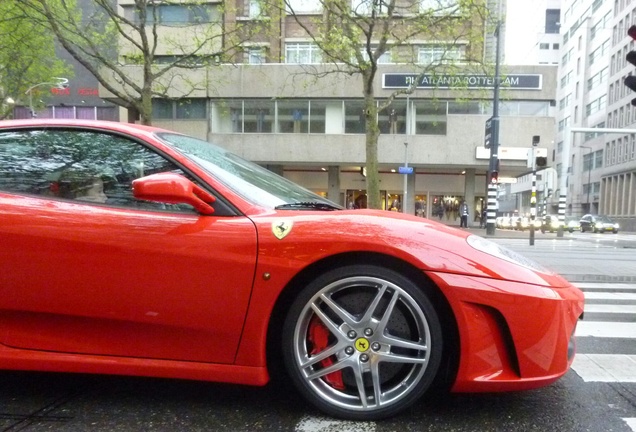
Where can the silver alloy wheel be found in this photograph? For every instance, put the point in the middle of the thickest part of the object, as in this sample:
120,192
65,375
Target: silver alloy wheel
378,345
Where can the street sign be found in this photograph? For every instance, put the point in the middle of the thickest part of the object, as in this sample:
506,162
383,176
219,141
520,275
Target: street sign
405,170
488,133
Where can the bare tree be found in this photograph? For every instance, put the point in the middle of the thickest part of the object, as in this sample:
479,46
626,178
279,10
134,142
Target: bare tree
142,48
354,36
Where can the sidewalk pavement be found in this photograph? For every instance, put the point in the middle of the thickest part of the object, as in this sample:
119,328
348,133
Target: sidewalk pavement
509,233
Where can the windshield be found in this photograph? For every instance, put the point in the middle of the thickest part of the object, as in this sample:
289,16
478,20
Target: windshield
253,182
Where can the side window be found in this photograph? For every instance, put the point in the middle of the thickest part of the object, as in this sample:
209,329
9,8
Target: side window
79,165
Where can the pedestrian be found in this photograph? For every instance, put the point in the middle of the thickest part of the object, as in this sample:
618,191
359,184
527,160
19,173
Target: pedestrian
463,213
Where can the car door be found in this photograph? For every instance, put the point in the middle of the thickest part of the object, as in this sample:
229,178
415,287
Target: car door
118,277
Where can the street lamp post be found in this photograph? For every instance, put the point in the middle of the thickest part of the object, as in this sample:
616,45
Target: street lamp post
589,172
59,83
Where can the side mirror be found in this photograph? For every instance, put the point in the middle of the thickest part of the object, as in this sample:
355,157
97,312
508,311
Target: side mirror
173,189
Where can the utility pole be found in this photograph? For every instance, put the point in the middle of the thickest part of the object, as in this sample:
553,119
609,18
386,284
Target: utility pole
493,167
406,175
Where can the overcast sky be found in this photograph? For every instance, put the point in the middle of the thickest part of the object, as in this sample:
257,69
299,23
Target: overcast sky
525,20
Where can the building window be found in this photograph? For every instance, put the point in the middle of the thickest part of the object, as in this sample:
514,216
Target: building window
432,54
597,80
175,15
303,6
596,105
599,52
385,58
368,7
255,55
544,46
254,8
440,7
185,109
598,156
190,109
302,53
552,18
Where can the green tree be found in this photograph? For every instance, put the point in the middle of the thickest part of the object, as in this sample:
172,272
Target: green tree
355,36
150,48
27,58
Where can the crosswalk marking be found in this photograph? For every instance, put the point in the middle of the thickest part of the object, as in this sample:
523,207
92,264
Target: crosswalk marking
609,296
605,367
606,329
608,286
608,308
631,422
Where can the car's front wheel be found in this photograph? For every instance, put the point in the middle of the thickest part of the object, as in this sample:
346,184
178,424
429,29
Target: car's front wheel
362,342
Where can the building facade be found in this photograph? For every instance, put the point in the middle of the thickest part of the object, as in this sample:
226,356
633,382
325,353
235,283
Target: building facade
280,106
277,105
599,168
313,132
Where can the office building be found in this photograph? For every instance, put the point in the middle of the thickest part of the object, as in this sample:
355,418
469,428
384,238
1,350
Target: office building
601,167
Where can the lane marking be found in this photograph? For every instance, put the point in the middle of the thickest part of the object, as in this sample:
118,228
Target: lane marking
605,367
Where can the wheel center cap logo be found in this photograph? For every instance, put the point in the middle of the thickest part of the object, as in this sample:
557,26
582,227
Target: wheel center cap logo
362,344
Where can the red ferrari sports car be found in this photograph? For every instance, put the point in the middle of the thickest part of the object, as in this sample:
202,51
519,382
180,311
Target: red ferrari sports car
139,251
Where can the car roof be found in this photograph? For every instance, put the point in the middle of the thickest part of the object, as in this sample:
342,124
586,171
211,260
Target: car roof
100,124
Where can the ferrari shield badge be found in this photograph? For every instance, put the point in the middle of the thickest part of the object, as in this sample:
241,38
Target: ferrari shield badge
281,228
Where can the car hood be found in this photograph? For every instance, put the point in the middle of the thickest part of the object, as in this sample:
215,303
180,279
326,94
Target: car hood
303,237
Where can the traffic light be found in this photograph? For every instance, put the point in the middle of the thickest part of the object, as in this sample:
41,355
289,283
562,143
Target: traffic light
494,177
540,162
630,81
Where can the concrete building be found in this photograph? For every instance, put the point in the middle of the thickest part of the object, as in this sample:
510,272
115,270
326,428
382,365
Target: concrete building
312,132
617,178
601,168
271,108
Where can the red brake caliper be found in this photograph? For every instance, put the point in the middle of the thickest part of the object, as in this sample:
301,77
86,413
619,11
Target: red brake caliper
319,340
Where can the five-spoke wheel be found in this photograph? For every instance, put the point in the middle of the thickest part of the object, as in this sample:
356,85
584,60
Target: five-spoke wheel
362,342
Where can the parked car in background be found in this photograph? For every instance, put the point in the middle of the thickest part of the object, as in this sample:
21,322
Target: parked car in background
598,224
550,223
572,223
514,222
134,250
523,223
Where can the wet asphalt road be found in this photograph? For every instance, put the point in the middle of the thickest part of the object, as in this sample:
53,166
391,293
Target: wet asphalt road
63,402
59,402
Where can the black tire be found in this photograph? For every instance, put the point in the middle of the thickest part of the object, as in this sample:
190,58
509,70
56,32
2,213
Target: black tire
348,321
